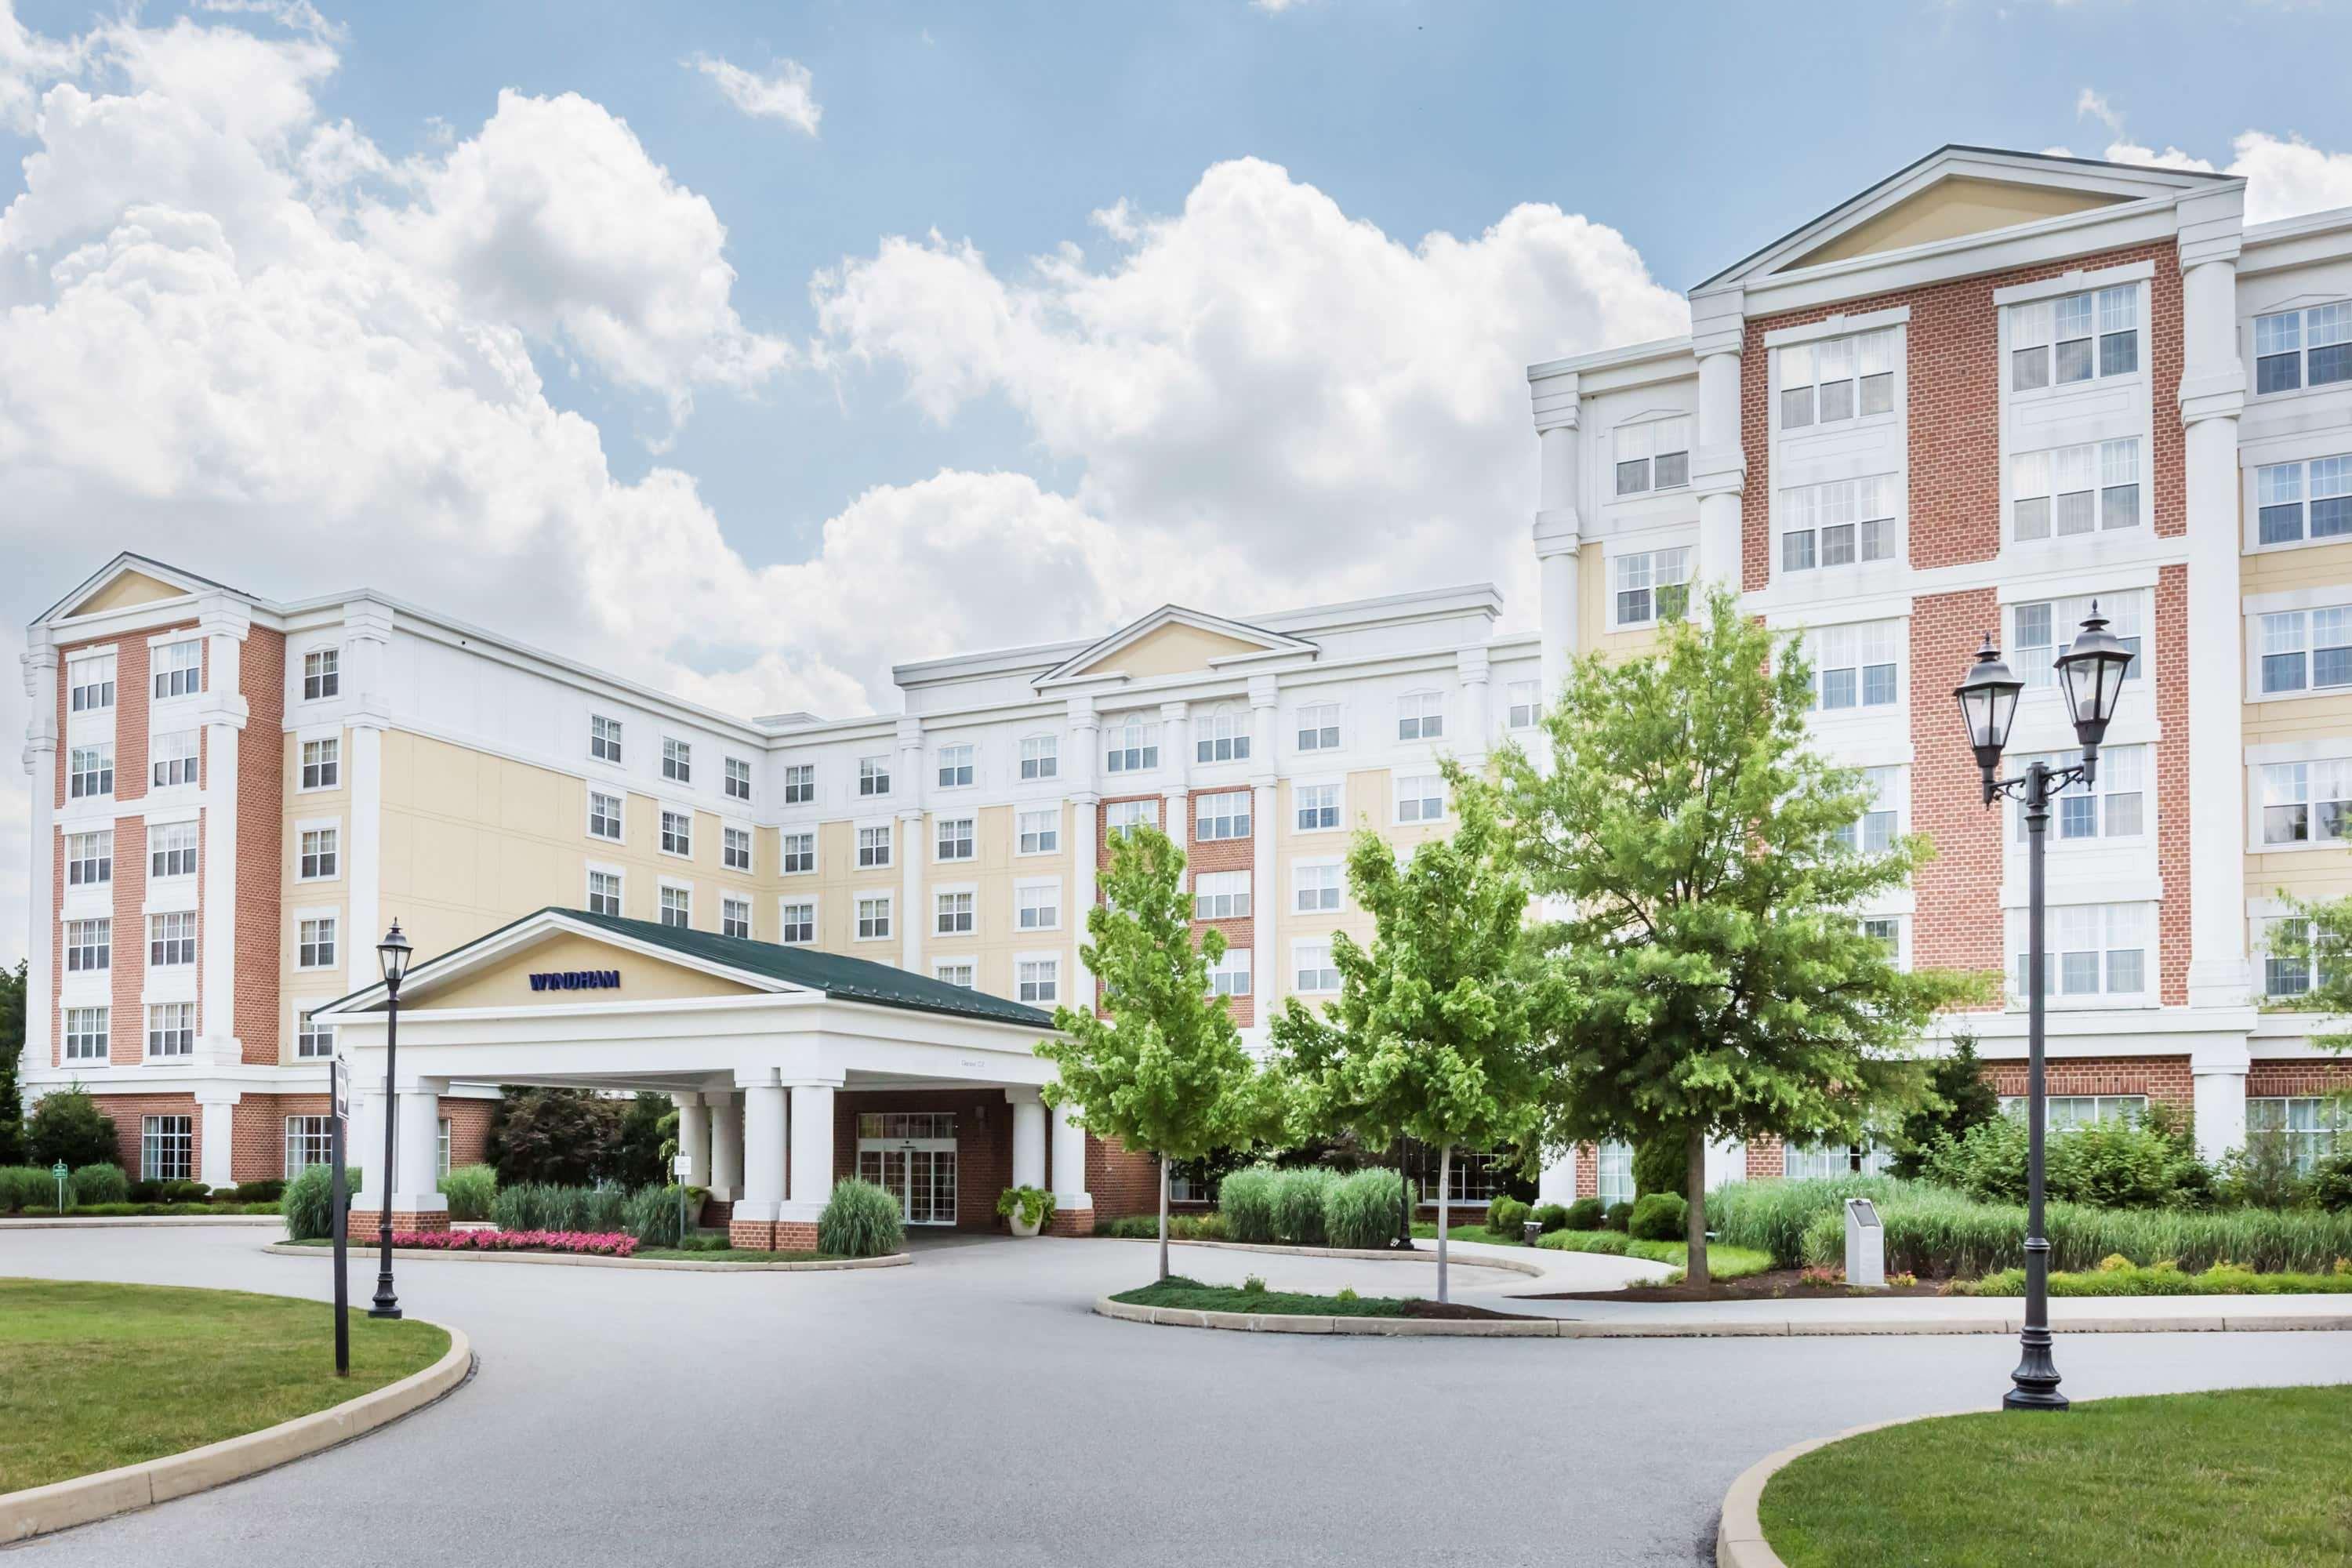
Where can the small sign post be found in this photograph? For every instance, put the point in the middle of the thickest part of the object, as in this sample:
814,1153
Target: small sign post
681,1166
339,1081
59,1172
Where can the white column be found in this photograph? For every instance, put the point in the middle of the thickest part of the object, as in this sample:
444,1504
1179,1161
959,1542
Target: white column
223,715
911,849
1266,805
1719,461
1555,1184
41,741
367,629
1070,1194
2217,1077
726,1117
1028,1137
216,1136
811,1152
1558,532
1176,768
1727,1161
694,1137
1476,737
763,1146
416,1176
1083,755
363,1140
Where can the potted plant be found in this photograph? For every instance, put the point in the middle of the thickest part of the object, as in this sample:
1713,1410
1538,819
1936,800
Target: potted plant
1026,1209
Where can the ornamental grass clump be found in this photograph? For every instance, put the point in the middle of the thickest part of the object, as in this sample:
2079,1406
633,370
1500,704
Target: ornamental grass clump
1359,1211
104,1183
1772,1216
309,1203
470,1189
860,1220
1947,1234
1246,1200
657,1216
1298,1205
25,1186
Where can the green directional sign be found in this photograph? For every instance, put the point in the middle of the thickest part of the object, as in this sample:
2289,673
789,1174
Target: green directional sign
59,1170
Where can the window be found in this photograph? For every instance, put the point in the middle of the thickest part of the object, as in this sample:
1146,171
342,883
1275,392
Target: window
313,1038
1837,524
1421,798
873,916
321,764
171,940
800,853
2308,803
2034,627
320,853
321,675
1221,895
873,847
800,783
90,945
1319,727
873,775
738,782
1836,378
90,772
1318,806
2303,348
1122,814
1525,698
957,972
798,922
2075,338
2306,650
167,1148
2306,1125
179,670
1190,1182
955,767
603,815
1653,456
2114,807
677,907
441,1147
171,850
92,683
1041,757
1650,585
1221,737
174,759
1612,1171
604,738
678,832
678,761
89,859
954,912
2073,490
309,1141
1037,906
1879,825
1230,975
1887,931
1317,890
1421,716
1223,816
1038,980
171,1029
735,848
1471,1177
2303,500
1040,831
2290,960
2093,950
1808,1162
604,893
314,945
86,1034
2064,1112
734,917
955,838
1316,972
1131,746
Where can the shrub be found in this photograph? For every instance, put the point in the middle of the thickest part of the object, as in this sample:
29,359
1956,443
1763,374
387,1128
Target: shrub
1659,1216
470,1189
860,1220
1771,1215
565,1137
1298,1205
1606,1241
1948,1234
1550,1218
1505,1214
1253,1285
1584,1213
105,1183
609,1244
1203,1226
2262,1174
68,1125
1660,1164
183,1192
2331,1184
2114,1163
1360,1210
1617,1216
267,1192
654,1215
28,1186
309,1203
1246,1198
146,1192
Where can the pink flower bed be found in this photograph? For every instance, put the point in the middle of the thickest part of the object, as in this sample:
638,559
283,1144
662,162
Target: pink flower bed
596,1243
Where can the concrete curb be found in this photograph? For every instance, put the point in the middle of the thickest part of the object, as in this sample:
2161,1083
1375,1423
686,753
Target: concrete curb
134,1222
677,1264
60,1505
1469,1259
1292,1323
1739,1536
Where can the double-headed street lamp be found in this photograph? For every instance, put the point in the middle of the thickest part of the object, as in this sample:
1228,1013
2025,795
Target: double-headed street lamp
392,954
2091,674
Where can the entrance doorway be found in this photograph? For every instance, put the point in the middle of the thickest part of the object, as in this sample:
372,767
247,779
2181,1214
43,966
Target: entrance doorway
911,1155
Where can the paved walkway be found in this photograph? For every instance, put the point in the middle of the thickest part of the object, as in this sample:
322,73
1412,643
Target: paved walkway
971,1410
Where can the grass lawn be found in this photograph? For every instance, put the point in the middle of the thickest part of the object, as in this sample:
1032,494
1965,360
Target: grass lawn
2222,1279
1724,1261
1193,1295
729,1255
1425,1231
101,1375
2249,1478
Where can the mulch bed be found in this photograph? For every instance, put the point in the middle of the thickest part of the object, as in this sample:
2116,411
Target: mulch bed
1773,1285
1420,1308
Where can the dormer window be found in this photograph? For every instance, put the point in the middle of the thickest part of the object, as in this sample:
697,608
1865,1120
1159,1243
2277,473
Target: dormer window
1654,454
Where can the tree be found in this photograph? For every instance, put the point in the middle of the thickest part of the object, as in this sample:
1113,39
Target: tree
563,1136
1429,1038
1957,1098
1712,978
12,1052
68,1125
1165,1072
638,1158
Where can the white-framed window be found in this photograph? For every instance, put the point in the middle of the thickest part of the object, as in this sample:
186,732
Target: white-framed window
2308,803
2065,1112
2093,951
604,893
322,764
179,670
1882,823
89,859
167,1148
313,1038
2294,501
2306,650
873,916
2073,338
1225,815
735,848
322,674
800,783
441,1148
1421,716
1313,972
604,738
1317,887
1887,931
2114,808
2310,347
800,853
309,1141
603,815
1421,797
89,684
738,782
90,945
956,837
2033,627
873,775
1654,454
1037,906
2310,1127
955,767
90,771
1222,736
1230,975
170,850
1836,379
677,833
1122,814
734,917
321,854
172,758
1317,806
796,924
1613,1172
873,847
952,913
1132,745
677,760
1221,895
955,972
171,1028
1807,1162
2288,974
1472,1176
2068,491
1319,727
1525,704
1842,523
87,1034
676,906
1040,832
172,939
1646,586
314,945
1037,979
1041,757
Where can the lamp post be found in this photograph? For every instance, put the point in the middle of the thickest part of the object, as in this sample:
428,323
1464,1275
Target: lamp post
2091,674
393,953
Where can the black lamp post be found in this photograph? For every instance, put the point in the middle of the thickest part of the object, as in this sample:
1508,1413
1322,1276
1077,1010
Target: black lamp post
2091,673
393,953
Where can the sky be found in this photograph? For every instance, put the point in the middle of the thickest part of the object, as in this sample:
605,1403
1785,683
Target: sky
745,350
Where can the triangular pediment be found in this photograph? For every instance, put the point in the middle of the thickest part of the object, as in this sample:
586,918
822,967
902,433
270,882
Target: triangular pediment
126,583
554,959
1170,641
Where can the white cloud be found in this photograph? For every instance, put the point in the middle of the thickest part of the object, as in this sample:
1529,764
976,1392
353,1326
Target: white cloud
2285,175
788,94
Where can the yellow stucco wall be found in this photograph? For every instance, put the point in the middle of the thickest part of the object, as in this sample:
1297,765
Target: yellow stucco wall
127,589
301,990
1951,208
506,983
1173,649
1592,613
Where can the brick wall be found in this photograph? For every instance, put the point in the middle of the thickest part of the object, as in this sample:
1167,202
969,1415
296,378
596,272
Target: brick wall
128,1110
1766,1157
983,1141
128,1022
2158,1077
469,1130
1122,1180
260,845
1227,855
1958,919
2172,804
2269,1080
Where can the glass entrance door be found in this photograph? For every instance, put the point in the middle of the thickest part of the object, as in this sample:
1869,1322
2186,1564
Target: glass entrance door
911,1156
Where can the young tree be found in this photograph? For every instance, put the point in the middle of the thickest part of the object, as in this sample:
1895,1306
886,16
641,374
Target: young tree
67,1124
1165,1072
563,1136
1429,1038
1716,982
1959,1098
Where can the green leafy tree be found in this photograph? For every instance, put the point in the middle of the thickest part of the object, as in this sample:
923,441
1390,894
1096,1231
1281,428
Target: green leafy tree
1710,979
1958,1099
11,1054
67,1124
1429,1038
1165,1072
640,1157
562,1137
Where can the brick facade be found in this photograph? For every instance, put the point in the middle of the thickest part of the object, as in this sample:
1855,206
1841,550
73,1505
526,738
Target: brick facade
260,846
2273,1081
1225,855
2158,1077
1956,923
1120,1180
983,1133
130,1111
2172,804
